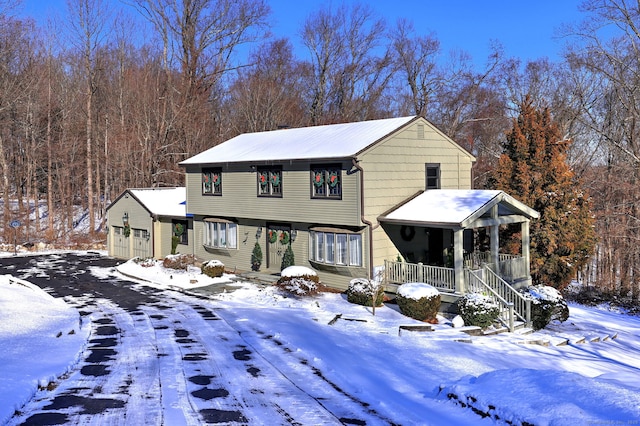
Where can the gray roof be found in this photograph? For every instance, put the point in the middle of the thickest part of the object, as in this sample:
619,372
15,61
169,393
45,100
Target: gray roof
305,143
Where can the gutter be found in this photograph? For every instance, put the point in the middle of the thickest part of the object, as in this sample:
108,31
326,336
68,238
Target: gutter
364,220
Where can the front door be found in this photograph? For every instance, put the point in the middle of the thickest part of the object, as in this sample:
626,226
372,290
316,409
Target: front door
277,242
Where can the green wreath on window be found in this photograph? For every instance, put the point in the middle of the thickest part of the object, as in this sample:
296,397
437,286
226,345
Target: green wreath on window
264,179
318,179
275,179
178,229
284,238
333,179
127,231
273,236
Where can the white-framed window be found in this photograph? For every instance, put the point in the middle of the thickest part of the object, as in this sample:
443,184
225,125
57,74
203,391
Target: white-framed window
220,234
212,181
335,248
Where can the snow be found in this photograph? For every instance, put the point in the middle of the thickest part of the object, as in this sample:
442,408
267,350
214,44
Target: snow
455,206
41,338
417,291
412,377
297,271
162,201
330,141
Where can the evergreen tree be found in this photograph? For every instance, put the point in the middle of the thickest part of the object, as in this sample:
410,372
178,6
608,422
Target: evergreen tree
287,259
534,169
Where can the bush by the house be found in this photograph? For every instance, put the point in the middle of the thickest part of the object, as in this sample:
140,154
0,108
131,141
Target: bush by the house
146,262
547,304
174,244
419,301
256,257
213,268
179,261
478,309
287,258
361,291
299,280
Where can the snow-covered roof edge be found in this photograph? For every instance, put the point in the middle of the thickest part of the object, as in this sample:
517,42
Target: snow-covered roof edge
325,142
172,206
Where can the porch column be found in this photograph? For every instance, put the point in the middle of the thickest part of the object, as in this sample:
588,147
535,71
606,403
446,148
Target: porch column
494,239
526,244
458,260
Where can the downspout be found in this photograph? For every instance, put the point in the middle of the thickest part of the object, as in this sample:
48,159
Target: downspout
364,220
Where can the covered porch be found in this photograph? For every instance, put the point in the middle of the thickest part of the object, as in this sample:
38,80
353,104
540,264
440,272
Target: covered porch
434,233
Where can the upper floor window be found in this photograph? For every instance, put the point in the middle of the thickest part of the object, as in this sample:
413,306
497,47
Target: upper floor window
270,181
326,182
212,181
432,176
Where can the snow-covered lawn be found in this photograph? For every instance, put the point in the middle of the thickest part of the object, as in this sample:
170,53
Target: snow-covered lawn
416,375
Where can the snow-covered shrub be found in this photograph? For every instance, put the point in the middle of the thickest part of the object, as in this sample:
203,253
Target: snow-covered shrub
418,301
179,261
478,309
361,291
213,268
547,304
146,262
299,280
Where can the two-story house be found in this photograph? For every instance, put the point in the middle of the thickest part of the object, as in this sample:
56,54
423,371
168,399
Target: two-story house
337,193
388,199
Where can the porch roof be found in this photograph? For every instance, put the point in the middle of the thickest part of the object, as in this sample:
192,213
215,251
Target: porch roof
459,208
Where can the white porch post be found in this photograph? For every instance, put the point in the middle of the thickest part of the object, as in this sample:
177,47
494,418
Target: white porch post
458,260
526,243
494,238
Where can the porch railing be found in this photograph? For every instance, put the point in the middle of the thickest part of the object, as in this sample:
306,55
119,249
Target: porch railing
402,272
507,297
511,267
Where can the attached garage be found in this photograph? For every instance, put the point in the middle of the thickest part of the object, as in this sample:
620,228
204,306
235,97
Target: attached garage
142,223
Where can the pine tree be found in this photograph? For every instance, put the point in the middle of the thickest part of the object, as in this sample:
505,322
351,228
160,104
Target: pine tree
288,258
534,169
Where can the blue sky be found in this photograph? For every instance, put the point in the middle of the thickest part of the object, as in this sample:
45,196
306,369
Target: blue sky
526,29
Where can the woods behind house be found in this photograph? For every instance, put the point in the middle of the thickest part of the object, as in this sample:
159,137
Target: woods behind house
117,94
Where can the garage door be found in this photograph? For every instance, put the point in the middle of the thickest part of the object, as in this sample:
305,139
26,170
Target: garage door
141,245
120,243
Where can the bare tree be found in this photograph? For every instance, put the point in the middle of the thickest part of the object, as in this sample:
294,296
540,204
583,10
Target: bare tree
89,25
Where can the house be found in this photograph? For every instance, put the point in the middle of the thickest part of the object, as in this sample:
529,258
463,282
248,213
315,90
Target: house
349,199
142,223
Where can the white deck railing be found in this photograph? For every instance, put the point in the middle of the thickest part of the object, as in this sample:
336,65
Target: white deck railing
403,272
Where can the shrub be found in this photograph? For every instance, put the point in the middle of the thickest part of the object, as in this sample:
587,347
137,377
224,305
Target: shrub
361,292
174,244
146,262
299,280
213,268
419,301
287,258
547,305
478,309
256,257
179,261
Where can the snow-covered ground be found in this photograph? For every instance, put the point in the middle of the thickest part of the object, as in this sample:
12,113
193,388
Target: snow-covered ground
584,371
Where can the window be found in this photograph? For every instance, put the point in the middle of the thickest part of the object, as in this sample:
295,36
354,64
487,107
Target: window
220,234
180,230
326,182
432,176
212,181
336,248
270,182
